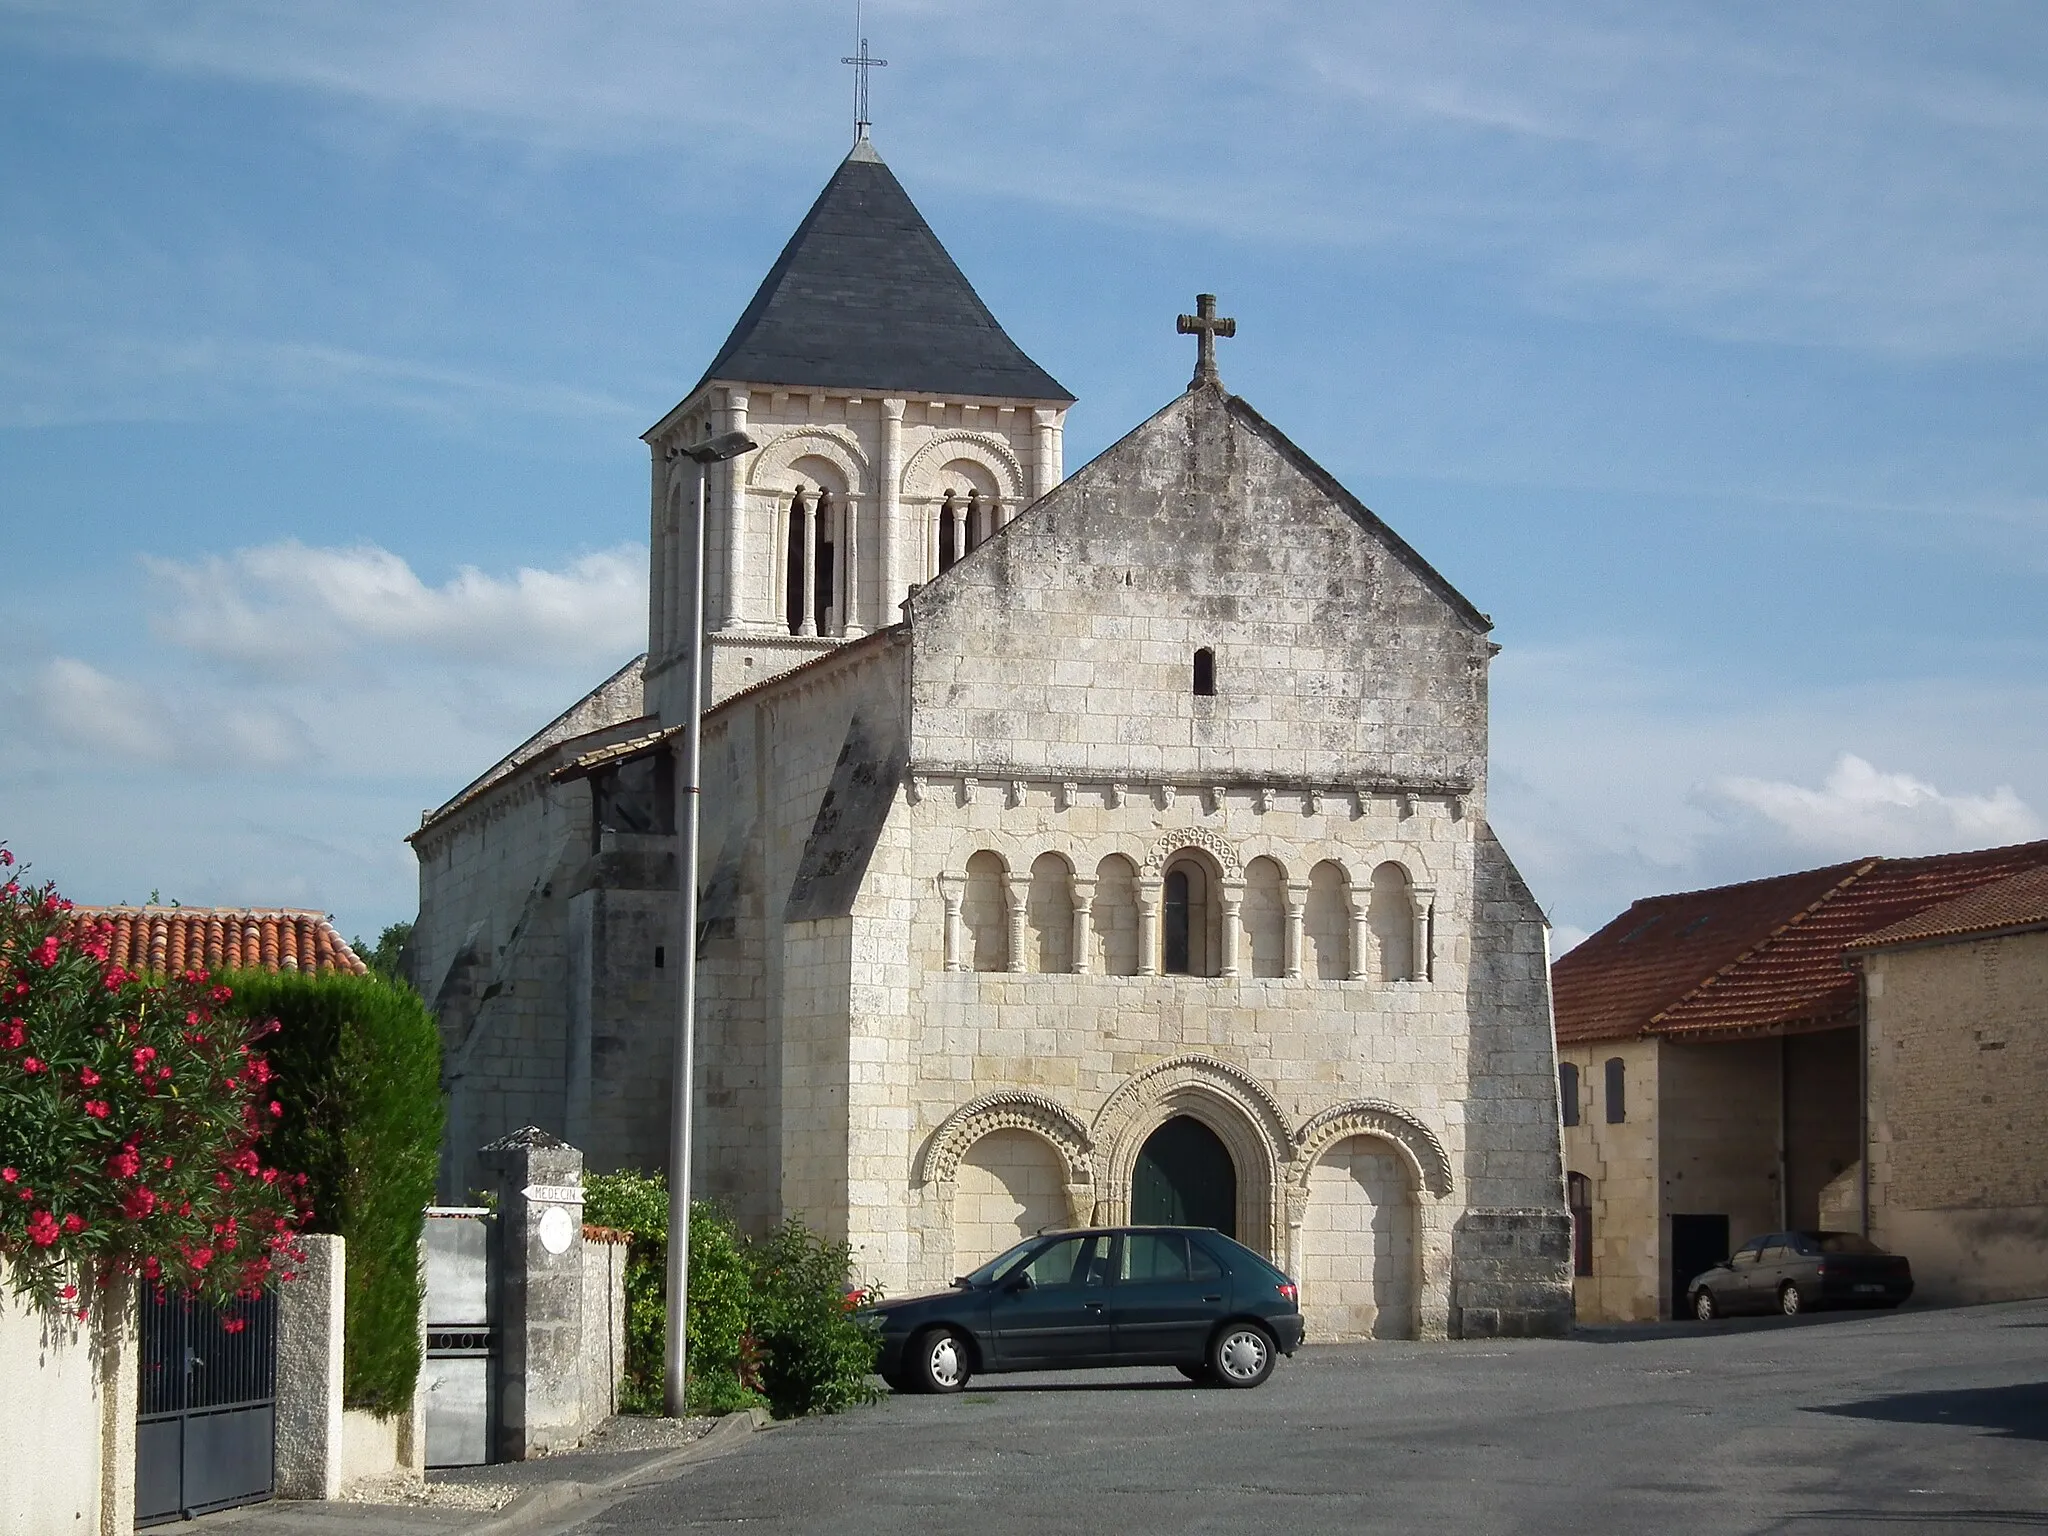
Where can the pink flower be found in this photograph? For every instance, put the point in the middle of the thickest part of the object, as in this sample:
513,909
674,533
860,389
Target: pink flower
42,1228
276,1108
6,858
67,1293
46,952
138,1203
97,1108
144,1055
234,1325
74,1222
31,1066
13,1032
87,1078
10,1175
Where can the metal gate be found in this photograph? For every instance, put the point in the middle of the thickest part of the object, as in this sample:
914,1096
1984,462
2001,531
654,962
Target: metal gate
205,1438
459,1372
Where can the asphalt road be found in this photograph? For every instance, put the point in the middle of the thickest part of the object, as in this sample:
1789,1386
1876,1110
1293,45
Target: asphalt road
1913,1421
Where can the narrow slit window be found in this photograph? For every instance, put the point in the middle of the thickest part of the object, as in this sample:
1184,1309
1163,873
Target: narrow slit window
1617,1090
1568,1091
1205,673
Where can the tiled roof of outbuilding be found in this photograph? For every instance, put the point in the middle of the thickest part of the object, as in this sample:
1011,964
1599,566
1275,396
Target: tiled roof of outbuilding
1762,958
222,938
865,297
2021,901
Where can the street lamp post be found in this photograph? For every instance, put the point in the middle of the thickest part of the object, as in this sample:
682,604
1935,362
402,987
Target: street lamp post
674,1372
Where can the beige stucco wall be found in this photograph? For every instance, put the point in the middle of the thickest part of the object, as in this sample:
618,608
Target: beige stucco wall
1958,1053
69,1464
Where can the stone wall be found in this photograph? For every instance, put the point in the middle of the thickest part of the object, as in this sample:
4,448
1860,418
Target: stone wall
1621,1163
1958,1049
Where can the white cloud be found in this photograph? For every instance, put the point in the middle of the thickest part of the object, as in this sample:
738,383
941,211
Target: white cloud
1859,809
93,712
287,604
1840,174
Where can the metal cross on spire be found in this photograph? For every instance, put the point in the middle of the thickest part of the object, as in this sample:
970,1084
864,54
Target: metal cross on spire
862,62
1205,324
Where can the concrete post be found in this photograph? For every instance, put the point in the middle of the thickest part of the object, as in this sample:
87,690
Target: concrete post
310,1311
540,1293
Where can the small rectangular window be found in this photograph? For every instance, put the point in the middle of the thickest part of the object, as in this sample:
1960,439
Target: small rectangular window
1205,673
1568,1091
660,956
1617,1090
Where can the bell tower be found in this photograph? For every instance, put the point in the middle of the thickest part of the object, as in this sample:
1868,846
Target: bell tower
900,427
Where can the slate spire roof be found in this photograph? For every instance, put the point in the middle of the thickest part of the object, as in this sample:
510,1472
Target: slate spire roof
865,297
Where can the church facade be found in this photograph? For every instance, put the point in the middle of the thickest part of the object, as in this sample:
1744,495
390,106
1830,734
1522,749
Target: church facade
1074,850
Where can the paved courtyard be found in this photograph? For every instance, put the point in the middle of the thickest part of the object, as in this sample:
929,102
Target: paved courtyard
1928,1421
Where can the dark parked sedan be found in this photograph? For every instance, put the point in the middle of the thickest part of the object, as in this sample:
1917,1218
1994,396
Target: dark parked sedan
1185,1297
1793,1272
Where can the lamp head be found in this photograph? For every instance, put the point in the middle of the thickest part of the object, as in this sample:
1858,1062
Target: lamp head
716,450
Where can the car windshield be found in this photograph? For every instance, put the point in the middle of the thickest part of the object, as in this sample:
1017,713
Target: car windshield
1845,1242
1002,1263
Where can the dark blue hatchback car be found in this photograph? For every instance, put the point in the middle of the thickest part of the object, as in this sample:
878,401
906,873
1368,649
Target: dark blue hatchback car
1186,1297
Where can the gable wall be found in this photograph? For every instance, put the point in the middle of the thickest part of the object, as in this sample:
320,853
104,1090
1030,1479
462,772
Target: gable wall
1067,643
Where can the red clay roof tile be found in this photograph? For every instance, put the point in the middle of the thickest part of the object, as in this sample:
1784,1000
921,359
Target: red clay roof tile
222,938
2020,901
1760,958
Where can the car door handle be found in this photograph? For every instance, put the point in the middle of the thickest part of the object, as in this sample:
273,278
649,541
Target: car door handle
1212,1298
1094,1306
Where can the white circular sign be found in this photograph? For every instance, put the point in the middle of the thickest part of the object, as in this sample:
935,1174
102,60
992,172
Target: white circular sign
556,1230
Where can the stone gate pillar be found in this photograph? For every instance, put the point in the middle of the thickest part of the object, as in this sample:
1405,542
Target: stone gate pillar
540,1293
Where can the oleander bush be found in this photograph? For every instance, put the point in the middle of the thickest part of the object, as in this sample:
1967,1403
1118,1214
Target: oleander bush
133,1112
770,1320
358,1062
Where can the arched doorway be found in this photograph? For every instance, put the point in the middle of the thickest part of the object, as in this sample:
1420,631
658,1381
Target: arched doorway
1184,1178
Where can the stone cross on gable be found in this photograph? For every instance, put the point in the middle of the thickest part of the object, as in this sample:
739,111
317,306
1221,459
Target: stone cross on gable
1205,324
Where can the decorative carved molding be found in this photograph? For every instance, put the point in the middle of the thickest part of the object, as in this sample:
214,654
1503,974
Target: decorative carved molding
1263,798
1007,1110
1162,1081
1068,789
913,788
1313,805
967,787
1016,793
1371,1117
838,446
1118,793
1212,843
1166,794
989,449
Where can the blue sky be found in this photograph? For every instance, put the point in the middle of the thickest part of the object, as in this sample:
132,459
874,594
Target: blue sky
1703,347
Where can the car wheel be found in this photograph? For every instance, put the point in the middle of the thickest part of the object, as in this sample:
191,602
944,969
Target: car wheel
1241,1355
1200,1375
1704,1307
1788,1299
938,1362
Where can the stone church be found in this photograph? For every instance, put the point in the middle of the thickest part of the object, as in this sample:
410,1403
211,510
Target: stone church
1075,849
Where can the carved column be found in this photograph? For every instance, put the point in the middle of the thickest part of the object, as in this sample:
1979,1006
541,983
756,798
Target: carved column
807,585
959,532
1016,892
1231,893
738,536
848,574
1149,889
1044,468
1420,960
1084,924
953,889
1290,950
888,514
1358,904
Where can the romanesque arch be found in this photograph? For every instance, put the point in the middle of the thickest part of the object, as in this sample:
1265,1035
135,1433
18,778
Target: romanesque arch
1426,1157
1229,1101
774,466
1008,1109
1024,1128
1369,1208
921,475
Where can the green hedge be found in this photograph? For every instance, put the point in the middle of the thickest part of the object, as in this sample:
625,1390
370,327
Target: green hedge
358,1063
768,1319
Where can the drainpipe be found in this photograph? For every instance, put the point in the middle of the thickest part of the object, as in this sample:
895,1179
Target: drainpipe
1863,1093
1784,1132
